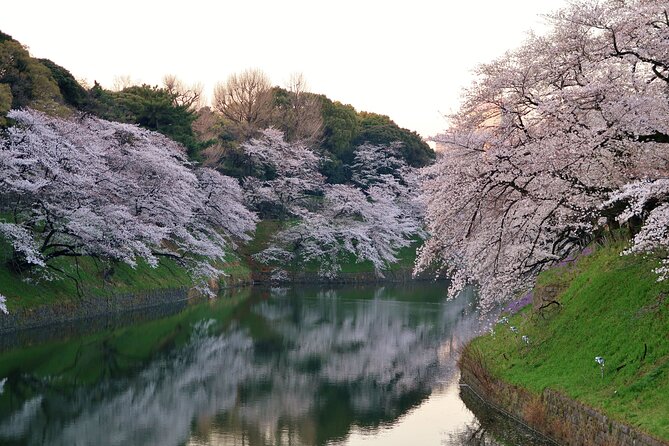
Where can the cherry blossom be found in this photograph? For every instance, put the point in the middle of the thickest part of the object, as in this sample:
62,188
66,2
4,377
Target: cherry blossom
647,200
543,138
86,186
292,168
369,220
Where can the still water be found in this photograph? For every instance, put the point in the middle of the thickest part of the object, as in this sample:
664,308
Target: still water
310,366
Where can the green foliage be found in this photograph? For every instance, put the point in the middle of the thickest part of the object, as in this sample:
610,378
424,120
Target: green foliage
333,128
71,91
381,130
335,171
367,119
5,102
31,83
611,306
280,98
345,129
341,128
5,37
153,108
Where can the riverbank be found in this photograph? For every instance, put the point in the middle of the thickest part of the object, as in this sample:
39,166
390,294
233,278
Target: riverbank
544,372
77,279
88,289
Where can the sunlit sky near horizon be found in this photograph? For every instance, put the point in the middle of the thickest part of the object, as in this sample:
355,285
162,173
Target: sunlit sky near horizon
408,60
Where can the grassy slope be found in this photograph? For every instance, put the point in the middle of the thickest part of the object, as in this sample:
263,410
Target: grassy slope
613,307
27,294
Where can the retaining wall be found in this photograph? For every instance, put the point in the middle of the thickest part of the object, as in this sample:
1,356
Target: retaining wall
566,421
87,308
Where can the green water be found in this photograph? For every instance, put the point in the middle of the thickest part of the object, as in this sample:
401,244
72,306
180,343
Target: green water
308,366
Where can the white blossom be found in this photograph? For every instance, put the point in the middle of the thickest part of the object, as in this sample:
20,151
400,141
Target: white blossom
3,305
544,136
86,186
293,166
369,220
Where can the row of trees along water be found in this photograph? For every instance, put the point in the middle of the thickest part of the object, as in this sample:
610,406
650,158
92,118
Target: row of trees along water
140,173
555,143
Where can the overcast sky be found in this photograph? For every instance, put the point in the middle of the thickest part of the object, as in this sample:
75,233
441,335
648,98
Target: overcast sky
406,59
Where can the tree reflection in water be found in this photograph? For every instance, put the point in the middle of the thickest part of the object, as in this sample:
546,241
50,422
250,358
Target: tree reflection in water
298,368
490,428
473,434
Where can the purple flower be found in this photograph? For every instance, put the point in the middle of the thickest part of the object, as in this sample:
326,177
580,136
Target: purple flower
518,304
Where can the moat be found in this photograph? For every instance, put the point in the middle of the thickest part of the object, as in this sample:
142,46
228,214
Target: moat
348,365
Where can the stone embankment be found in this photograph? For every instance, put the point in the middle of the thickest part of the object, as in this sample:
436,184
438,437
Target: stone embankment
566,421
86,308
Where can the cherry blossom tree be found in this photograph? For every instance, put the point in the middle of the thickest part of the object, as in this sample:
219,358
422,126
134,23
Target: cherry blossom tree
288,175
647,200
544,137
369,220
90,187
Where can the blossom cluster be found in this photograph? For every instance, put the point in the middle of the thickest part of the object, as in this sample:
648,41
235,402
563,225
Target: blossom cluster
545,137
369,219
86,186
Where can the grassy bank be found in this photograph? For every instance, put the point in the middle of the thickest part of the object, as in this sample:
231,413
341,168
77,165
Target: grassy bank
610,306
96,279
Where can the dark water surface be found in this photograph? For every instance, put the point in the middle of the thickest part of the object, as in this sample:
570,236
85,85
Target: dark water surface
310,366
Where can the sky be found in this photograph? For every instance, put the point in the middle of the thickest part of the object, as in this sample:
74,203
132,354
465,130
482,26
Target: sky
409,60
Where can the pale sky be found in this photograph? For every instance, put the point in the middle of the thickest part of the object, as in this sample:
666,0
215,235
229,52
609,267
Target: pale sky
406,59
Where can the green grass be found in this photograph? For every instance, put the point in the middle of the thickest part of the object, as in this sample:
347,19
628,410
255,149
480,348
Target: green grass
611,306
23,291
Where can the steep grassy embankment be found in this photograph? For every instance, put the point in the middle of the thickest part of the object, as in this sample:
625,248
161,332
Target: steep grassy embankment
610,306
99,280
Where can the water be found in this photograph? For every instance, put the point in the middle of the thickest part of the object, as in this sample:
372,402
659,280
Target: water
309,366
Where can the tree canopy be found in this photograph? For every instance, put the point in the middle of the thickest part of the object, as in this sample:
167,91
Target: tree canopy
551,139
369,219
30,83
151,107
86,186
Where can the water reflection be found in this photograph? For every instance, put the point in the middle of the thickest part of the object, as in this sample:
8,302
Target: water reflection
308,367
490,428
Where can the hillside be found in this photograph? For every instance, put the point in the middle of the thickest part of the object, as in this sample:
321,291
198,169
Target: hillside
201,177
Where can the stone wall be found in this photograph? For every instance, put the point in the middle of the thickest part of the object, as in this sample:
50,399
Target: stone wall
566,421
594,428
87,308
